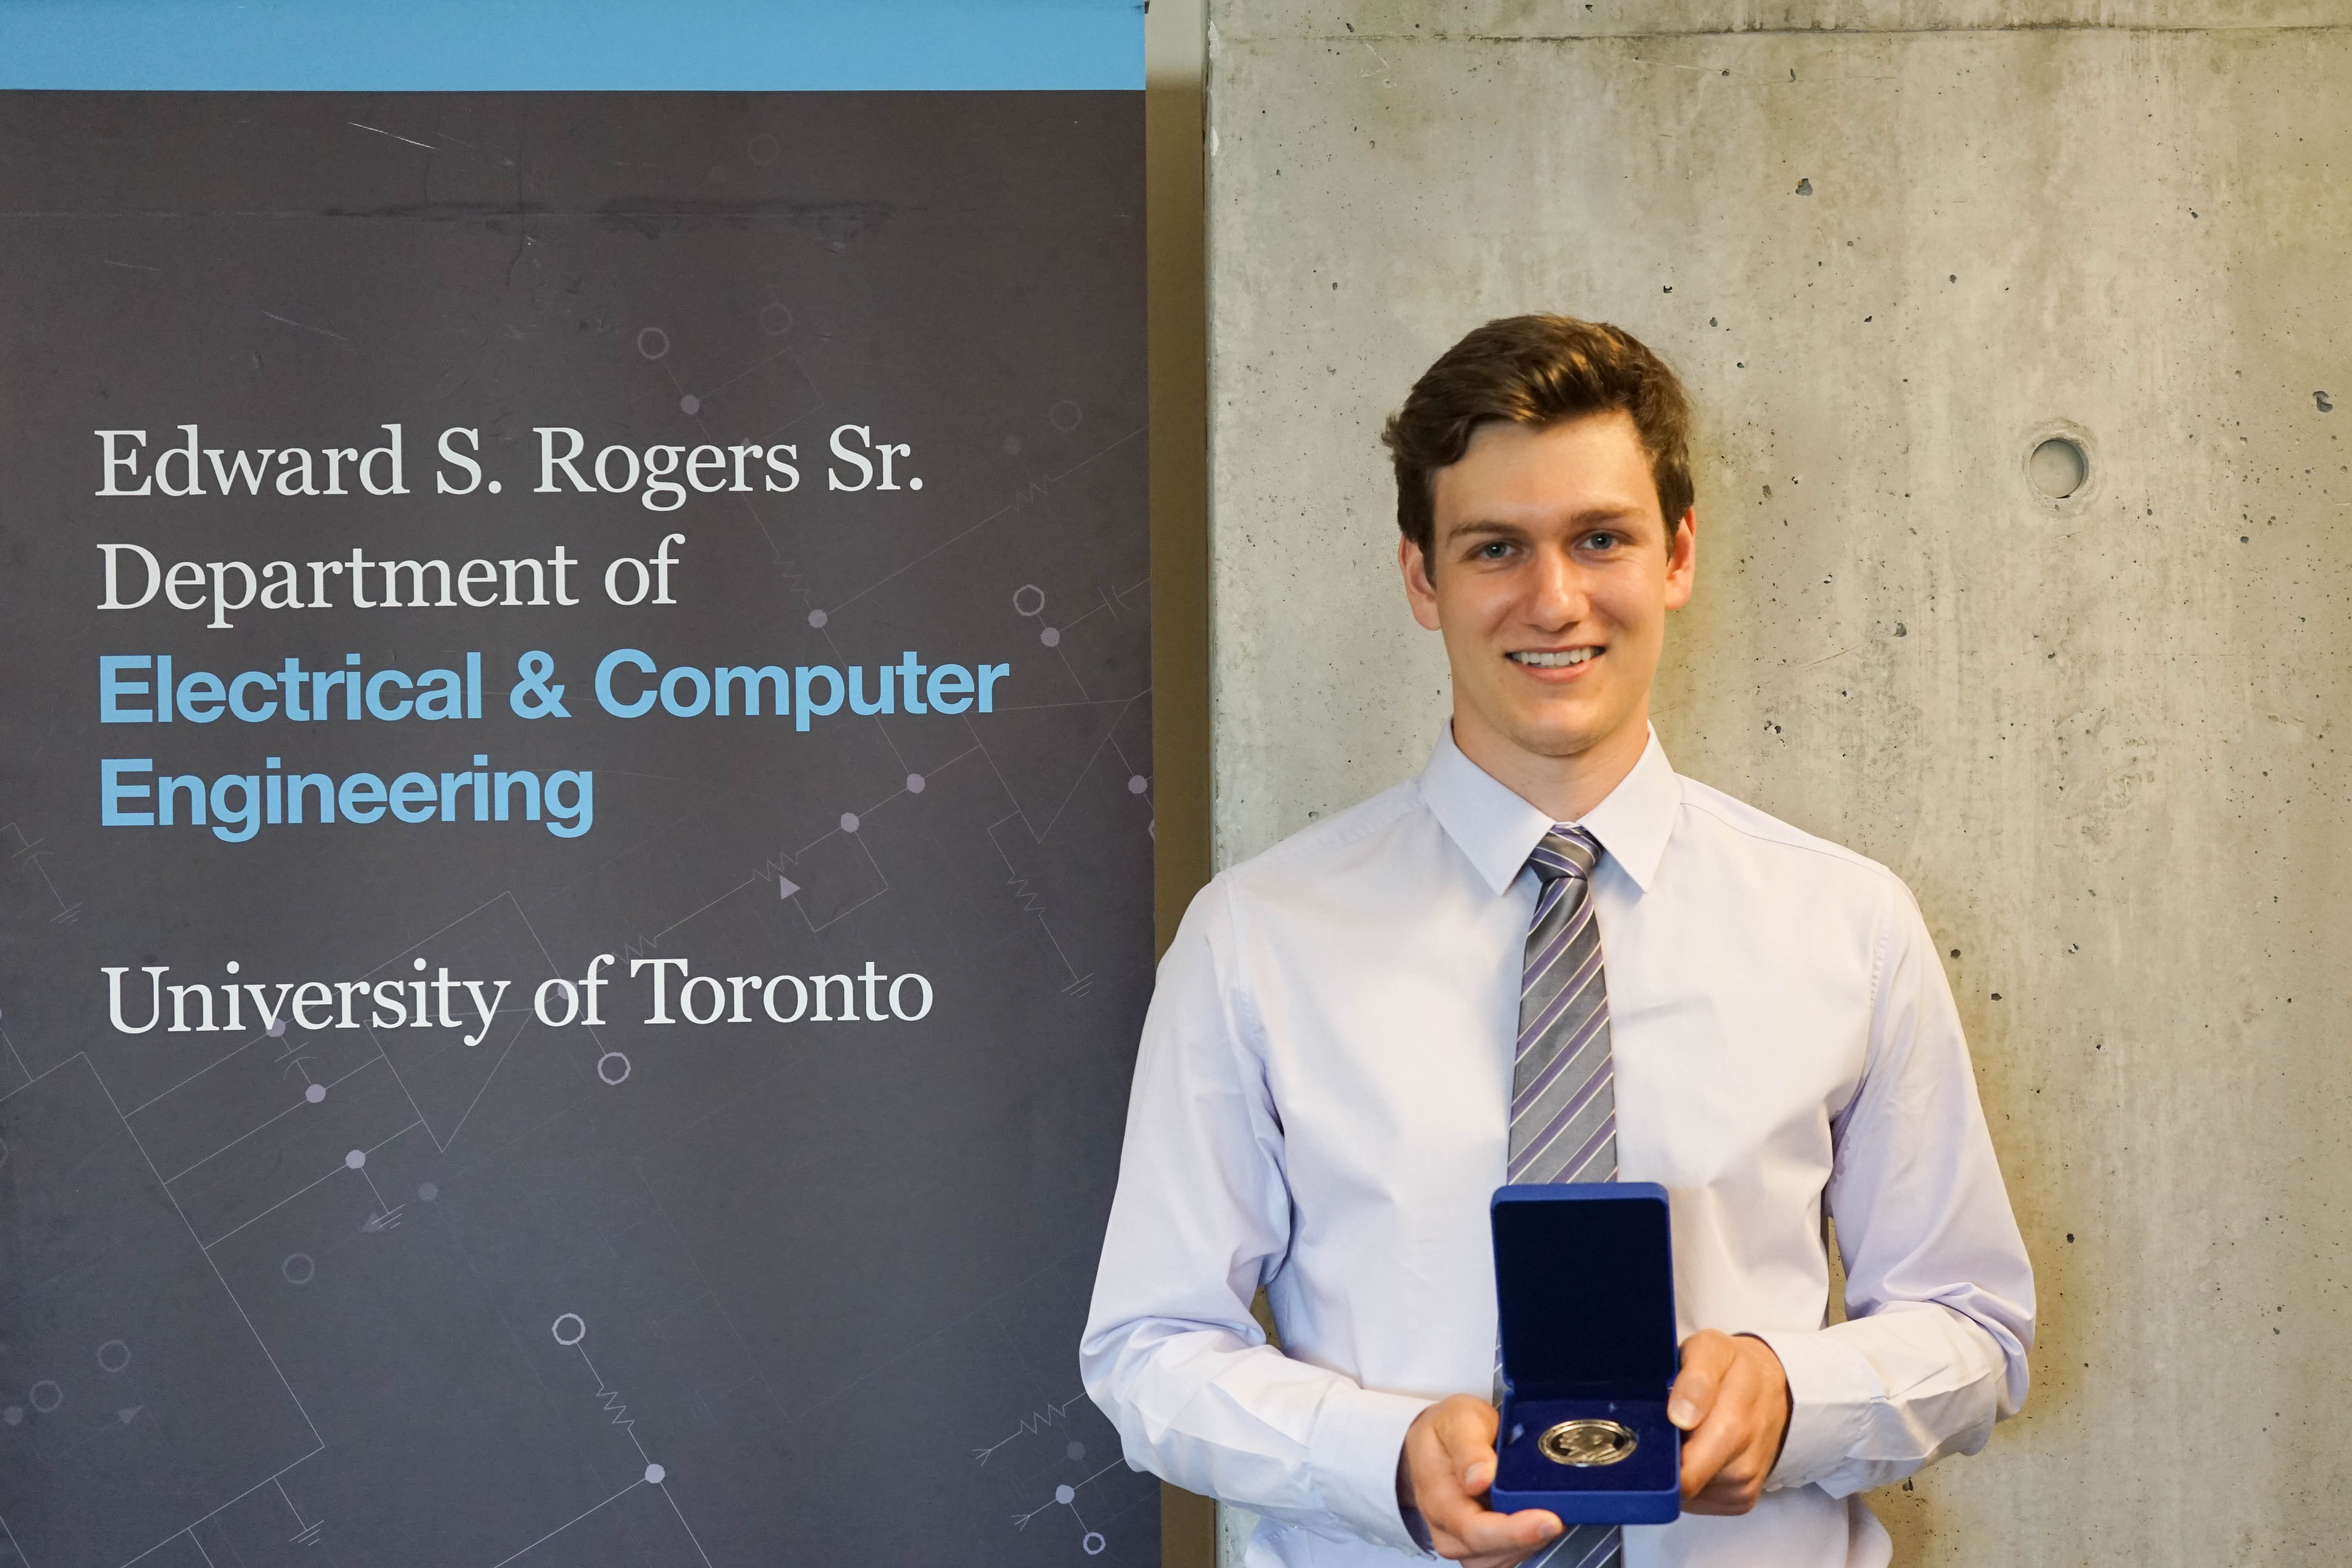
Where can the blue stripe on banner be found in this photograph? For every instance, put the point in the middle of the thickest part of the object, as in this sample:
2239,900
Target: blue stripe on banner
458,46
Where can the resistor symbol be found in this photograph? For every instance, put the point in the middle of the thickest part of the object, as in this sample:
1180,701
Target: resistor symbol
1031,1424
1031,903
611,1398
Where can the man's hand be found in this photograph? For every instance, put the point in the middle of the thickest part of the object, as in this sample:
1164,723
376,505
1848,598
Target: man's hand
1732,1402
1447,1464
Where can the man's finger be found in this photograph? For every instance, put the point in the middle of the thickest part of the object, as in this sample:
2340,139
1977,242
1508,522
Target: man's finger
1485,1534
1462,1526
1705,1451
1465,1430
1524,1530
1730,1487
1707,1357
1727,1457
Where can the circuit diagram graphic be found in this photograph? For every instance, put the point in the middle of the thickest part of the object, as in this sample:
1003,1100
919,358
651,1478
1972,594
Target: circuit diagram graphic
1092,1541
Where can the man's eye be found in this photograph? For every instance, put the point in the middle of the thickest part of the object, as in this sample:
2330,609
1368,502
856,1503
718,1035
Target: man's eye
1493,550
1600,540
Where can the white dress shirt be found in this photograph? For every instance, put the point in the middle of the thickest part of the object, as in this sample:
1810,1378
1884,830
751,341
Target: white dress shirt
1321,1106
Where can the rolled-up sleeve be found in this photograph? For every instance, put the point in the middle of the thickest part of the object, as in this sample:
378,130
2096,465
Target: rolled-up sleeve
1939,1293
1202,1217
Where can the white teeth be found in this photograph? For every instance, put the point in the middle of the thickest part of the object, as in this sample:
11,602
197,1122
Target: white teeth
1555,661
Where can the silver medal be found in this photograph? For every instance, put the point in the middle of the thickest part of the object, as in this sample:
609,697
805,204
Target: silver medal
1587,1443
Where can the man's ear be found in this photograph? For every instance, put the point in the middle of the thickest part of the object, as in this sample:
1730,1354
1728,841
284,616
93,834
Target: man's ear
1682,561
1419,591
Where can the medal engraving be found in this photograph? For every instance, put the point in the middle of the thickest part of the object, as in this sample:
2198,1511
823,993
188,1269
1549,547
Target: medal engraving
1587,1443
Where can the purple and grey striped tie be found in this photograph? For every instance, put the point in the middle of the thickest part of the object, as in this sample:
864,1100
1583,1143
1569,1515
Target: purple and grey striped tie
1563,1093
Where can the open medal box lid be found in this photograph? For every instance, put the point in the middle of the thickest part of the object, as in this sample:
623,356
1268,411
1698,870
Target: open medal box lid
1584,1285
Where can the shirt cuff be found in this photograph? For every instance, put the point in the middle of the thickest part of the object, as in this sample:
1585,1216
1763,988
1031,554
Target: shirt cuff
1358,1433
1830,1387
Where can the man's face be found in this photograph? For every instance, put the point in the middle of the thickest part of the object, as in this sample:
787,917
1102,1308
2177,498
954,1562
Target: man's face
1550,578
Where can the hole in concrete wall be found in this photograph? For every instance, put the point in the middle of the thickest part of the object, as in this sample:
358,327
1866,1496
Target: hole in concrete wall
2058,467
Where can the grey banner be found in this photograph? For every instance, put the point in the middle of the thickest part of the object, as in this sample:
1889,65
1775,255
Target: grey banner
577,793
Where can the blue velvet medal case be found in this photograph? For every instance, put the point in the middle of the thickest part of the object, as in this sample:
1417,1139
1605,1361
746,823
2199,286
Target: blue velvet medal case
1584,1283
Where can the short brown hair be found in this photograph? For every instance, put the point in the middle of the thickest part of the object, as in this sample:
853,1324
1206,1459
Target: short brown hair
1536,370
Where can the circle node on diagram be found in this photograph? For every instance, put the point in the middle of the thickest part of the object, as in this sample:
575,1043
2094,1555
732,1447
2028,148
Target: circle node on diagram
612,1068
578,1330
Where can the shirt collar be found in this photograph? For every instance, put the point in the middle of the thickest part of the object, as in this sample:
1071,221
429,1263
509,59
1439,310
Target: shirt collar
1498,829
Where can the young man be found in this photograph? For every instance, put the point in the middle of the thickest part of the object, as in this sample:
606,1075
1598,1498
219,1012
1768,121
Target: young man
1551,958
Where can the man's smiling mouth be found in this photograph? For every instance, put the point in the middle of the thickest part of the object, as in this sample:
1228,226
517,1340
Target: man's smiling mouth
1547,660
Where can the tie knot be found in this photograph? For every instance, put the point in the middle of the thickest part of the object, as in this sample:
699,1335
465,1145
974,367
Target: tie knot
1565,852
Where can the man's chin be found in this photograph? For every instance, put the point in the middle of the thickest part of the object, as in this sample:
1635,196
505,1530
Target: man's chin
1555,742
1561,738
1556,726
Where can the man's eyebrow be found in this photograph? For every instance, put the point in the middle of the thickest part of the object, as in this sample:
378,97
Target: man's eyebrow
1484,526
1606,514
1494,527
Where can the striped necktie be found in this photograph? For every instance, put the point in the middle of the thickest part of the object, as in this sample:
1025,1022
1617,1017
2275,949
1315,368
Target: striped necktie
1563,1094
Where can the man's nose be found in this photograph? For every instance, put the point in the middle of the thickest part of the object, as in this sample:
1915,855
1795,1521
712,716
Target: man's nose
1558,595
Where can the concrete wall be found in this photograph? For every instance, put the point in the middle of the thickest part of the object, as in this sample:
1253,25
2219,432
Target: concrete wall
1891,244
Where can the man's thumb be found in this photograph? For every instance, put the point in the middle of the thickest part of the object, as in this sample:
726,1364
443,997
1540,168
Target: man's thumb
1693,1397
